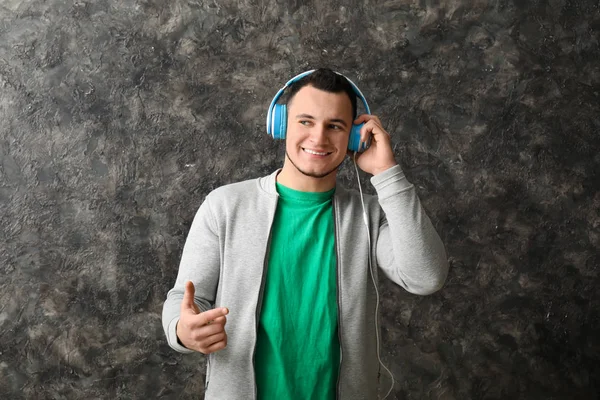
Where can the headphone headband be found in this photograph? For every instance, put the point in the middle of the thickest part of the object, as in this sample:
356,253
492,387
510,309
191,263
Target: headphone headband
270,120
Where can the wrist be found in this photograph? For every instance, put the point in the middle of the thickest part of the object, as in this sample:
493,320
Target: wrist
179,342
379,170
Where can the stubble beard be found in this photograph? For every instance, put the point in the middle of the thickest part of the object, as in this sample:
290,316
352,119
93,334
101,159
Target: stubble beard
313,175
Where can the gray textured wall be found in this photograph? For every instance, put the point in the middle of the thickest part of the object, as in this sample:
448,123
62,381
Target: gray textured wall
118,117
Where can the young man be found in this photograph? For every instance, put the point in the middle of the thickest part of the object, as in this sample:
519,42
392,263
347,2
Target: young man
275,282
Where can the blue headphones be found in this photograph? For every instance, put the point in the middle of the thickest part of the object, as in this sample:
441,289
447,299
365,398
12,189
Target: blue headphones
277,116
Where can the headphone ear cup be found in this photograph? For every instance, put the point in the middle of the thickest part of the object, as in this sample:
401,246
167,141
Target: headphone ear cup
279,121
354,140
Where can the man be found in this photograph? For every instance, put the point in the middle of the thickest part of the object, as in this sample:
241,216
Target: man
289,256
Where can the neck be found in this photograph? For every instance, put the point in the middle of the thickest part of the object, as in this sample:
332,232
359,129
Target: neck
290,177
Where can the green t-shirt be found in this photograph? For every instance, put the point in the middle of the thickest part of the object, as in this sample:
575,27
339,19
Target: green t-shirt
298,349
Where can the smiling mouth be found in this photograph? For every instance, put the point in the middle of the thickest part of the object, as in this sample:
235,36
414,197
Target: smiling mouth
316,153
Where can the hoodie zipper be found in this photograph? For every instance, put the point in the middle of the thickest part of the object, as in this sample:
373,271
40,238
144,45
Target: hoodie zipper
339,302
207,380
260,298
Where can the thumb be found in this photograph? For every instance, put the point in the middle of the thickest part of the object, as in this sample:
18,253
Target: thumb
188,298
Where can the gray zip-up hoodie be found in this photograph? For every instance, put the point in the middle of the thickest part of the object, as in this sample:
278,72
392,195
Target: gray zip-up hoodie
226,253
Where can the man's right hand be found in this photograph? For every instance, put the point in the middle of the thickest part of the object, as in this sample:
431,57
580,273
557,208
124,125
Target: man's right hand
201,331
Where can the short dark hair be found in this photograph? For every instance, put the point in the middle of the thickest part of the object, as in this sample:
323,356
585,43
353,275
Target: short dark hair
327,80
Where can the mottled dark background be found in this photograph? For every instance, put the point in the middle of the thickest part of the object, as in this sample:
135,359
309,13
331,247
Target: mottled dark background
118,117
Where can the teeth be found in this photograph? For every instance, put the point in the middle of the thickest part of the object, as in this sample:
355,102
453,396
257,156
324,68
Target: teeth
315,152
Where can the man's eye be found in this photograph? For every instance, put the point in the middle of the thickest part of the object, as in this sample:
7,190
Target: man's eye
304,122
335,127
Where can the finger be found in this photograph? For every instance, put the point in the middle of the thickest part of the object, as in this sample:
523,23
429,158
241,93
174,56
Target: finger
212,339
362,118
211,315
188,302
221,320
220,345
375,123
373,127
369,129
377,120
201,333
365,132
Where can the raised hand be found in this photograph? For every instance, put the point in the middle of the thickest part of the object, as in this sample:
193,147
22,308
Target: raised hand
380,155
201,331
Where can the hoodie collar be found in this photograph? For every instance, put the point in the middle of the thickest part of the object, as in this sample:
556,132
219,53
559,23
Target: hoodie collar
268,184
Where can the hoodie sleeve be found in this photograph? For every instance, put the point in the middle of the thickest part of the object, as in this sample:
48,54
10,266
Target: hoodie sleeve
200,263
409,250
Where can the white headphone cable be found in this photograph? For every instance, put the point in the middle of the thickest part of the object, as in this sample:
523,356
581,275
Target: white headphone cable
373,279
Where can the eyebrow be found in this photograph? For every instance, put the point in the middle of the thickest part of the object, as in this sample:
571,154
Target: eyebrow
307,116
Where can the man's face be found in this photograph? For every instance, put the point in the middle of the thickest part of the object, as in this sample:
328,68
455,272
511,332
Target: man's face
318,129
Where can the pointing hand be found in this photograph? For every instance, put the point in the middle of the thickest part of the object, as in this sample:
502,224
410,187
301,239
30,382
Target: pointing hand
201,331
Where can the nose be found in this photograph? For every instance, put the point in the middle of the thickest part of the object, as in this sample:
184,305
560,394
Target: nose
318,134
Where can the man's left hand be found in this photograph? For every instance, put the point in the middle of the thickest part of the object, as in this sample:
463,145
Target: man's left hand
379,156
